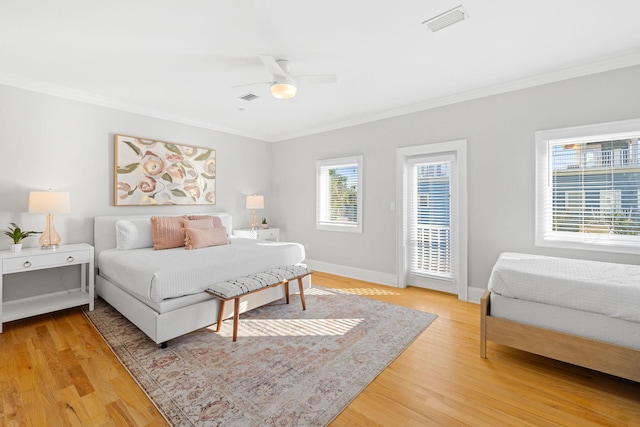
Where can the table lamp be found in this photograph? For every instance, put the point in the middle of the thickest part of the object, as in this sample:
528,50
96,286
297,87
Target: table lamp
255,202
49,202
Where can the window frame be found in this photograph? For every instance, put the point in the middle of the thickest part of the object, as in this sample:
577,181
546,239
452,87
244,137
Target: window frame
459,193
324,224
544,234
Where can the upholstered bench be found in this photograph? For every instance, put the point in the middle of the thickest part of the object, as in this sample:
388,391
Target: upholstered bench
237,288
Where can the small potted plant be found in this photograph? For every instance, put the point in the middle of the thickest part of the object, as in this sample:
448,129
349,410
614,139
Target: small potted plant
16,234
264,223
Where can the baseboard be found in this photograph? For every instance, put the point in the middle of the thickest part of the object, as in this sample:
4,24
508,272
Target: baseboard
354,273
473,294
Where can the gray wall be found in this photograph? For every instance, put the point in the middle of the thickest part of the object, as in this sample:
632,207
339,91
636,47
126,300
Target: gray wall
501,171
50,142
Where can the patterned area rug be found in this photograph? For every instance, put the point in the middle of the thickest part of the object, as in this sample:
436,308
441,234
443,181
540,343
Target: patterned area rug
288,368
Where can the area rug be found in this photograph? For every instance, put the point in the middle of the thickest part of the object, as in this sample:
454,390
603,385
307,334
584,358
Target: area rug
289,367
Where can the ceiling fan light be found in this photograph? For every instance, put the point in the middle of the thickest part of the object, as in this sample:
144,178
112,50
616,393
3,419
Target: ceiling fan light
283,90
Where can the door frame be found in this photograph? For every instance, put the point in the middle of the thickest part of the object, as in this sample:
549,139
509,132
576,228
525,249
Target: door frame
459,149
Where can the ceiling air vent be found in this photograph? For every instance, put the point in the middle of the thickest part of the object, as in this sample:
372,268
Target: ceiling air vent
249,97
447,18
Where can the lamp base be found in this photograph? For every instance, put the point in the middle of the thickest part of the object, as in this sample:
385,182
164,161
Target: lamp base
50,239
254,220
49,247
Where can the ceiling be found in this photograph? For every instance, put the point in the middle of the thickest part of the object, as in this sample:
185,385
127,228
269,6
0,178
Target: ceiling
180,60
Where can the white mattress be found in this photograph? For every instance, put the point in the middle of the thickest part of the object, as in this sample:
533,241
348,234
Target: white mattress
170,273
575,322
598,287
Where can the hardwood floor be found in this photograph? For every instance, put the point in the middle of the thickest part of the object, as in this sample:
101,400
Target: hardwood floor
56,370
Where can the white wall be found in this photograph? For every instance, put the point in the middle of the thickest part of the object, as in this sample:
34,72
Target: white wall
501,172
50,142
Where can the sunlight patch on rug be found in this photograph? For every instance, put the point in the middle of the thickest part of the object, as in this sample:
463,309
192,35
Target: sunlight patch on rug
290,327
367,291
289,367
319,291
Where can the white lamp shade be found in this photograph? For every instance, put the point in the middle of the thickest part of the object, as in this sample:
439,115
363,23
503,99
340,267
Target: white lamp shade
49,202
255,202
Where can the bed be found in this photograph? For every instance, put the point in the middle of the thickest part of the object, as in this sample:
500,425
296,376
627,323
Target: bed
162,291
582,312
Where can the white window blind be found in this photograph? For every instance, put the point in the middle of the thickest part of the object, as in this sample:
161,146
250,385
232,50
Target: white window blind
430,242
588,188
339,194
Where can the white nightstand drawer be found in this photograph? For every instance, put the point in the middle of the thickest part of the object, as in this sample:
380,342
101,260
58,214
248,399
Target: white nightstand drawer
267,234
44,260
260,233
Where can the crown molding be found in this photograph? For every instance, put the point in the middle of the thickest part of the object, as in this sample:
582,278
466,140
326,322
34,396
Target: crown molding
607,64
89,98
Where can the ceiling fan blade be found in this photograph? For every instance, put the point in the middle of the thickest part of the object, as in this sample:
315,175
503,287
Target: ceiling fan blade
250,85
273,66
316,79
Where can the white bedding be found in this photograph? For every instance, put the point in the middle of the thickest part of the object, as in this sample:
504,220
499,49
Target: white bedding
170,273
575,322
598,287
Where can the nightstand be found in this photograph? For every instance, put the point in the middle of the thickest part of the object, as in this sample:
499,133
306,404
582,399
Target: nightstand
272,234
37,259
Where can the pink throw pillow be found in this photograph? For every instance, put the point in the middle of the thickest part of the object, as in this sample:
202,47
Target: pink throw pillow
215,221
198,223
167,231
196,238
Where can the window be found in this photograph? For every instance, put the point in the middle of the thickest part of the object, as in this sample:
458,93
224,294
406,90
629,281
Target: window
429,190
611,200
588,181
339,194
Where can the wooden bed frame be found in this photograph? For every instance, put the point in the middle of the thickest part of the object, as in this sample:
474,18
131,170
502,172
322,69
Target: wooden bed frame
612,359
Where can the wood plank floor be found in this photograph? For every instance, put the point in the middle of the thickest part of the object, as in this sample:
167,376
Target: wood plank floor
55,370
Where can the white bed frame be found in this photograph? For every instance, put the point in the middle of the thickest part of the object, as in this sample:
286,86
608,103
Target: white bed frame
161,327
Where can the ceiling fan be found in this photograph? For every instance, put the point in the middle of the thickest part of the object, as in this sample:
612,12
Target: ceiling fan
285,85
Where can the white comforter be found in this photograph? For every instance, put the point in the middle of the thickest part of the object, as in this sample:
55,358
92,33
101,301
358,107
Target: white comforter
599,287
170,273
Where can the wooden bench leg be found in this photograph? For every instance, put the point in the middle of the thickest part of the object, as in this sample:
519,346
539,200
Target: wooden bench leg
304,305
236,300
220,315
236,318
286,290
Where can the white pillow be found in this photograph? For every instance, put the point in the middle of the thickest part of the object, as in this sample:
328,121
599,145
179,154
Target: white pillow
133,234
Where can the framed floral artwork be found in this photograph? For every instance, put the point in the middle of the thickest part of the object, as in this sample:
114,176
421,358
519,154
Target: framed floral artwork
149,172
